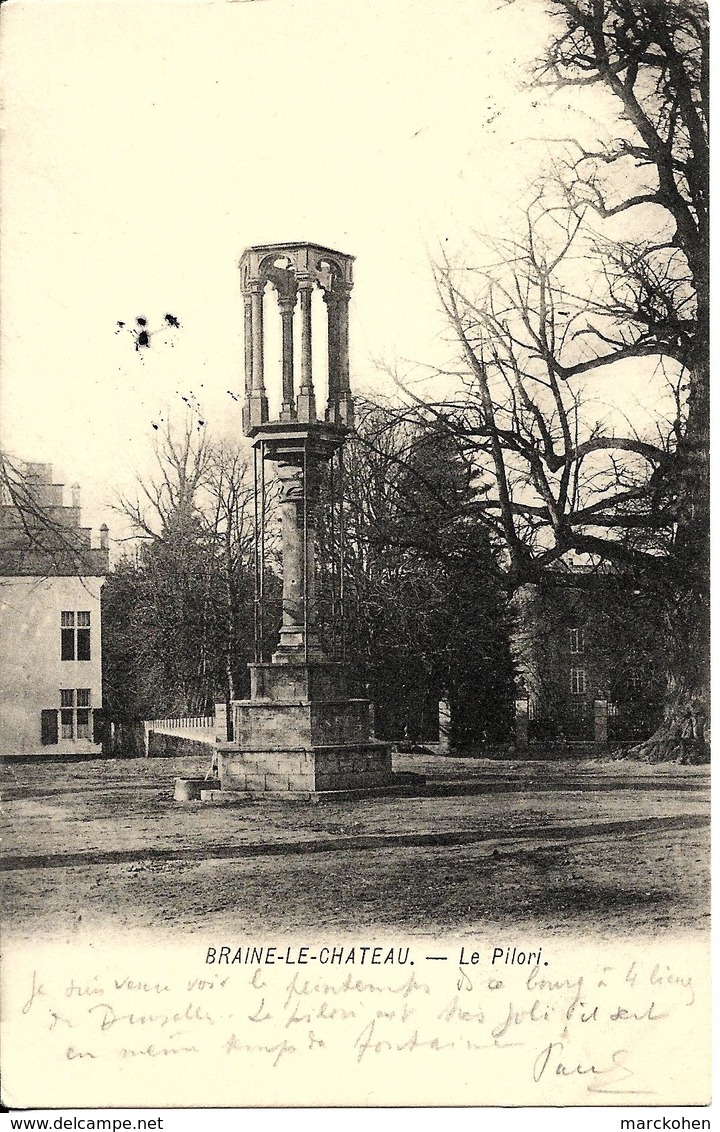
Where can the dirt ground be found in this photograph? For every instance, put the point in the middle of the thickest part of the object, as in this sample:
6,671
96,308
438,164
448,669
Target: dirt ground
604,849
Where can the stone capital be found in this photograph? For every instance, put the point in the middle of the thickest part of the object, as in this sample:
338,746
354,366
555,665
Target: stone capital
337,298
295,480
292,483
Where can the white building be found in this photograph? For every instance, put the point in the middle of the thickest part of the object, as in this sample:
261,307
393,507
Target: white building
50,642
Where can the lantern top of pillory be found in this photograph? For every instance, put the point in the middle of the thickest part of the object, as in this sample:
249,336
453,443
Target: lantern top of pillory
294,270
323,265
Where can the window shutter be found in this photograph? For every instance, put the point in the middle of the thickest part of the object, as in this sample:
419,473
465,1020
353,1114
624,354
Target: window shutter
48,726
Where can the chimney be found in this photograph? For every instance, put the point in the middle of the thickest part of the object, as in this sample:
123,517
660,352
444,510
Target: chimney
75,491
104,537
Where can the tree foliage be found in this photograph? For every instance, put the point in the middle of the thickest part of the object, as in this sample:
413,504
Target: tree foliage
425,618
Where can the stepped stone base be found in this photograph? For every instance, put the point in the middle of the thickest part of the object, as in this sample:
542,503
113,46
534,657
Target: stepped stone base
302,735
402,785
280,770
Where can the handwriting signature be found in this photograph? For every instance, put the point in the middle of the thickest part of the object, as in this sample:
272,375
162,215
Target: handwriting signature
548,1061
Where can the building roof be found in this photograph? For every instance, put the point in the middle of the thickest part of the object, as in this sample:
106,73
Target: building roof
40,534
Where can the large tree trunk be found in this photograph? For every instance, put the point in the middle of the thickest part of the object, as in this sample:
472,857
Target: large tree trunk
684,734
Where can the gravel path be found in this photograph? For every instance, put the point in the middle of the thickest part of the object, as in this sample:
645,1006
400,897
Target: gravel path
604,848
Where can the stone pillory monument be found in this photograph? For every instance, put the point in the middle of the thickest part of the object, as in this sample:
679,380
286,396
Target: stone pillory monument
303,732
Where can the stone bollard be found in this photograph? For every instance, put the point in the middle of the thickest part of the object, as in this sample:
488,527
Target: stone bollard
221,722
188,789
521,724
601,722
444,725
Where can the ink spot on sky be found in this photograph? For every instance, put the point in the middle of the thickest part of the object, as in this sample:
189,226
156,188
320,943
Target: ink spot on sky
142,334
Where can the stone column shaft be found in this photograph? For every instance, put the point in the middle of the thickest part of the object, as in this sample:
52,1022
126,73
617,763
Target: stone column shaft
333,344
256,404
287,307
248,360
343,345
298,555
339,409
306,398
258,359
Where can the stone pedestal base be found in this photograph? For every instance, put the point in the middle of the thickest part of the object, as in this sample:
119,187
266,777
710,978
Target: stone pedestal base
306,770
291,647
403,785
303,734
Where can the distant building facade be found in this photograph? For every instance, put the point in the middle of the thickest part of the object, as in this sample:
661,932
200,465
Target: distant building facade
588,650
51,579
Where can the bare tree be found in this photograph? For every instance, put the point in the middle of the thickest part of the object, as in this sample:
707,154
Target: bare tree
191,578
230,491
611,272
653,55
170,498
556,477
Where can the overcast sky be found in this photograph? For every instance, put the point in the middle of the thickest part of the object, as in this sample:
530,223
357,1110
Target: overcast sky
146,144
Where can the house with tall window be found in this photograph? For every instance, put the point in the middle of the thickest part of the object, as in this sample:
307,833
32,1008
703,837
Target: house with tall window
586,641
51,578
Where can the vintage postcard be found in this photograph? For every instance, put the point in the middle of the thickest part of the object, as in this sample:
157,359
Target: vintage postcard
354,555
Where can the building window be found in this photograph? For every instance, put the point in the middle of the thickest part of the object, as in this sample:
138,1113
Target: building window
74,713
67,713
75,635
83,635
83,713
67,636
634,683
577,641
578,681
